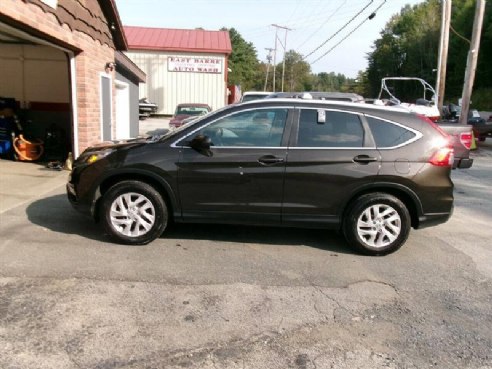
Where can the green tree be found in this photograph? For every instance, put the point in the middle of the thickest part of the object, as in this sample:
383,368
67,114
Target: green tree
462,22
408,46
362,84
243,62
297,75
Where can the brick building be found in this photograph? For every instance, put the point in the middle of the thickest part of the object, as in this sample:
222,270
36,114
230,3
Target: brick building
62,62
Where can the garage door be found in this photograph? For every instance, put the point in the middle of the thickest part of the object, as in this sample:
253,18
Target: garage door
35,80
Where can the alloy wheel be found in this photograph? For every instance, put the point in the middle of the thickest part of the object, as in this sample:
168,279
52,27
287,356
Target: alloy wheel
132,214
379,225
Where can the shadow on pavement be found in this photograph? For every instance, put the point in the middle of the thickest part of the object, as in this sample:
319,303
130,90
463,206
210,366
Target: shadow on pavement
316,238
56,214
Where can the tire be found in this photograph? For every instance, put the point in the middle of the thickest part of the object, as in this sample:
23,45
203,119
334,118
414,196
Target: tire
133,213
377,224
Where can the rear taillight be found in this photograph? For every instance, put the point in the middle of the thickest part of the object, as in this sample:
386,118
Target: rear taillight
443,157
466,139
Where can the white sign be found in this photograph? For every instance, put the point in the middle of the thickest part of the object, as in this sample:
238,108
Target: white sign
194,64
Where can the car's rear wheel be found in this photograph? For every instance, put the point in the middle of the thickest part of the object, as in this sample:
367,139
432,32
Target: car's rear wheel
377,224
133,212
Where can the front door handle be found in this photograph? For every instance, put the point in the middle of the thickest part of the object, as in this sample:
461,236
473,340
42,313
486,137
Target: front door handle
364,159
270,160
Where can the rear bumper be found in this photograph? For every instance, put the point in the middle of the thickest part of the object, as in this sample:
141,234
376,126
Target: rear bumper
464,163
483,129
430,220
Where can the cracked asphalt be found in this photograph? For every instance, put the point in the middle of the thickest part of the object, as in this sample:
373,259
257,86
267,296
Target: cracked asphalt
243,297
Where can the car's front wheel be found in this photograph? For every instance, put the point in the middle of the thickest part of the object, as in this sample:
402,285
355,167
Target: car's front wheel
133,212
377,224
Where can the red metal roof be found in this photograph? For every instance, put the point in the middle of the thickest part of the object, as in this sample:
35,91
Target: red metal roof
166,39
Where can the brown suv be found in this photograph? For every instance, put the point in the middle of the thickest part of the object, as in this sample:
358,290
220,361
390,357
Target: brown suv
371,172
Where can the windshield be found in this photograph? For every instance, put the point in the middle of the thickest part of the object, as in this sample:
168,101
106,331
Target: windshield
175,131
192,110
252,97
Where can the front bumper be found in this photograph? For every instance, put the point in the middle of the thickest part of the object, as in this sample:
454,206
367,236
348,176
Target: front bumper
72,197
84,207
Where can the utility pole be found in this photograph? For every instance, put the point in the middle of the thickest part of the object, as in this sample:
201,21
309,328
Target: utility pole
275,59
285,51
269,59
275,54
443,52
471,62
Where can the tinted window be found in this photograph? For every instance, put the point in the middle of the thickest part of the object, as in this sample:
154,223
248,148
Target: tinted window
252,128
339,130
387,134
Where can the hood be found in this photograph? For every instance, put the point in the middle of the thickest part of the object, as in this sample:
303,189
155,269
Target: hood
117,144
180,117
108,148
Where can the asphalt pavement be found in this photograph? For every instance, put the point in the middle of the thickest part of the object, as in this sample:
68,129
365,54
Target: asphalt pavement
153,126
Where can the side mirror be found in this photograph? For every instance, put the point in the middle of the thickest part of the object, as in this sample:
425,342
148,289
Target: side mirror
202,144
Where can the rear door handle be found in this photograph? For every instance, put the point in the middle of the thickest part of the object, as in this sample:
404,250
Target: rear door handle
364,159
270,159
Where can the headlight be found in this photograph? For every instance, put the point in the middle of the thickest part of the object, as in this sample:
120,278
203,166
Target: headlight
93,156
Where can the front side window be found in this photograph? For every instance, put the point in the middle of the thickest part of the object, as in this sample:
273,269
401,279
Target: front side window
251,128
337,129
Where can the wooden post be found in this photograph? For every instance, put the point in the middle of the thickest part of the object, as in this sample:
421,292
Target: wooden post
443,53
275,58
269,59
471,63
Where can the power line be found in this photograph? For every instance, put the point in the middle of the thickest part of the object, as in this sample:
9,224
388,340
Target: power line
322,24
320,16
460,36
311,9
373,14
301,22
341,29
295,11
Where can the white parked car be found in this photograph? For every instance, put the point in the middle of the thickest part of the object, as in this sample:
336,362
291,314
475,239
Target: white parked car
254,95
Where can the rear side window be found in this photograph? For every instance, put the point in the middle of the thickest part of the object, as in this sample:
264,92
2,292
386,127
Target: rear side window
387,134
339,130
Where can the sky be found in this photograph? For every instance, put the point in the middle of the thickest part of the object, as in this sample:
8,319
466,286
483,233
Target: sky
316,26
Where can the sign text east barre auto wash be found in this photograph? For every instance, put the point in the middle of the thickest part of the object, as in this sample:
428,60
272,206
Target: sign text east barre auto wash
194,64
